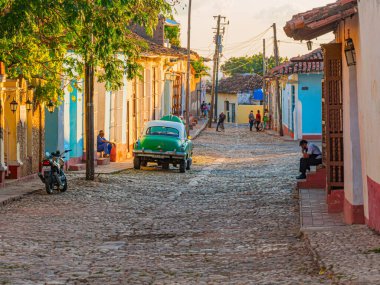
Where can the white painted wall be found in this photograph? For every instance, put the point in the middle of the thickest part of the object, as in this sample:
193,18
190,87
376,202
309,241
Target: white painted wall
369,97
353,185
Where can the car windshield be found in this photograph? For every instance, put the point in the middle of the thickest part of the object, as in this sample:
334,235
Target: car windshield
162,131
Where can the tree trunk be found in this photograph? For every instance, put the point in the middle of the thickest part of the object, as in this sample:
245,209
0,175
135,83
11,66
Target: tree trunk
89,109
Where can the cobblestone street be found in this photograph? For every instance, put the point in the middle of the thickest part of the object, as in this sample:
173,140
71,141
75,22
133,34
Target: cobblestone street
232,219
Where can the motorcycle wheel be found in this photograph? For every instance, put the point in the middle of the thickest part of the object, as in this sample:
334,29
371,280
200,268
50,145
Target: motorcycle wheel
48,188
64,186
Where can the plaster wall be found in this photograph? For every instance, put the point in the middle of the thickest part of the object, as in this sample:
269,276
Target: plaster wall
368,70
353,185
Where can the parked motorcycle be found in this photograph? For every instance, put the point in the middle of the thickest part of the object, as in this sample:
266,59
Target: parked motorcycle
52,174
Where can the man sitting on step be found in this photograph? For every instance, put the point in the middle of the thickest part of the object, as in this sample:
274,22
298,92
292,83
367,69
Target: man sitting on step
311,156
104,145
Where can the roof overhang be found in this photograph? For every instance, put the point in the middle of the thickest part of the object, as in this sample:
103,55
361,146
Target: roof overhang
320,21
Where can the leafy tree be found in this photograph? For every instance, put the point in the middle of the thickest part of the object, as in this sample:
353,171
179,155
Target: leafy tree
200,68
248,64
37,36
173,35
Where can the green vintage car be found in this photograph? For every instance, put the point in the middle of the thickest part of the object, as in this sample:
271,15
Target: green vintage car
164,142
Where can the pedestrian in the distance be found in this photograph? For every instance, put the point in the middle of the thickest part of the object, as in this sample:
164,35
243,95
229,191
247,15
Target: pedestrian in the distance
258,120
220,124
251,119
265,119
207,109
203,105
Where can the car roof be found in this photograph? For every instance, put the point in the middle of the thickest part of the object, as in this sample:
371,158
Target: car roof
160,123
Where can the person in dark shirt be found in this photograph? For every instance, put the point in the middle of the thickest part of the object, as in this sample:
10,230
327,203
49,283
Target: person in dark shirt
220,124
258,120
312,155
104,145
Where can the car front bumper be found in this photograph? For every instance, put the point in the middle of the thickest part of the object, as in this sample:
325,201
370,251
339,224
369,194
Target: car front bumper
159,155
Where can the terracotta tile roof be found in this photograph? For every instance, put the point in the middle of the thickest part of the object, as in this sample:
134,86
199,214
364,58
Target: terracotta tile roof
155,49
239,83
319,21
311,62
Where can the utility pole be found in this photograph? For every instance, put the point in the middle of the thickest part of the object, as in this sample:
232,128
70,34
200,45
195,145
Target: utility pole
279,101
214,88
264,73
188,72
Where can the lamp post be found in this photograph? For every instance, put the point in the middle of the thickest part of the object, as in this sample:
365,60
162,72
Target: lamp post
309,45
13,105
29,105
349,50
50,106
188,71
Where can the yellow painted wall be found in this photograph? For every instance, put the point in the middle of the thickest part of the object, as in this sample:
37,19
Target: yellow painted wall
244,110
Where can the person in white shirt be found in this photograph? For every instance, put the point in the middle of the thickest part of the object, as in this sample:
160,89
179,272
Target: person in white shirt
312,155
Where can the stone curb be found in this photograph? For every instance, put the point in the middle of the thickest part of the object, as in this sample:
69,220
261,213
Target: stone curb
198,132
18,197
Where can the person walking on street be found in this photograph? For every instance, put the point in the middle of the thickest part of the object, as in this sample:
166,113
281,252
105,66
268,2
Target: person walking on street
203,105
265,119
312,155
258,120
220,124
251,118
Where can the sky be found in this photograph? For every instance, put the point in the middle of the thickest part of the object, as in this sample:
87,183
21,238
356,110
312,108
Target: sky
249,22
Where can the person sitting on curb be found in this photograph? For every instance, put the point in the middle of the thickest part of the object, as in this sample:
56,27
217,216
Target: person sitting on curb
220,124
104,145
312,155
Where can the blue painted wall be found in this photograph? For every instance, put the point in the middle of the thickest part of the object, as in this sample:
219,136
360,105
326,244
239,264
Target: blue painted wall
76,140
51,130
311,102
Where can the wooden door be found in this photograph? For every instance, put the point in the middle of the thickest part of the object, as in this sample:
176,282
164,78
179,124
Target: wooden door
176,103
333,112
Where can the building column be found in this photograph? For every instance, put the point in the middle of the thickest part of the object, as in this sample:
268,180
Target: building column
353,182
3,167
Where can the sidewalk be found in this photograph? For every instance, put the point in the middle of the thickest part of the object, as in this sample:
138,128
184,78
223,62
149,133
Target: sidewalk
346,254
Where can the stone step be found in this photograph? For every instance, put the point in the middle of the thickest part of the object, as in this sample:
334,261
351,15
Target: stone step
103,161
77,167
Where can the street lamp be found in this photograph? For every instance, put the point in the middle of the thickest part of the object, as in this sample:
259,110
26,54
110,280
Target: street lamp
309,45
349,50
50,106
29,105
14,105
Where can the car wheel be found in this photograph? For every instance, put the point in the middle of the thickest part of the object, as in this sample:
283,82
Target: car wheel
189,163
165,166
136,163
182,166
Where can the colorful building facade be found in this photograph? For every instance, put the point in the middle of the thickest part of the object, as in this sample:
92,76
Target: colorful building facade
300,82
350,104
